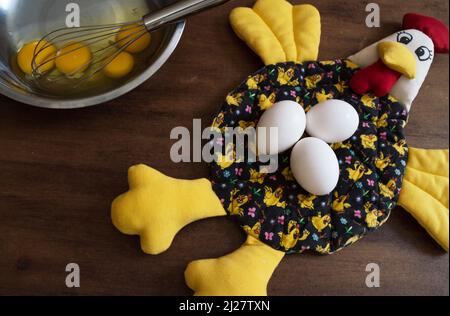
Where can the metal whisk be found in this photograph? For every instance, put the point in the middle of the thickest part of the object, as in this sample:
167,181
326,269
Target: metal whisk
101,39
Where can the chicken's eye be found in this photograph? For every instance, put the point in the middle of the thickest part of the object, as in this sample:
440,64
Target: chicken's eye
423,53
404,38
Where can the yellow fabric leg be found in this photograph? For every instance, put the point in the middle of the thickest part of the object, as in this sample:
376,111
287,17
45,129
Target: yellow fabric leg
157,206
425,192
245,272
278,31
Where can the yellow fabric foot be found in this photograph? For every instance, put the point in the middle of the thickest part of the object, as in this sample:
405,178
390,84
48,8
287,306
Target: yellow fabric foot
245,272
278,31
425,191
157,206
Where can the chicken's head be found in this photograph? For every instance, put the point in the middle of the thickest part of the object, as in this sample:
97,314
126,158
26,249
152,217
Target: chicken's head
399,63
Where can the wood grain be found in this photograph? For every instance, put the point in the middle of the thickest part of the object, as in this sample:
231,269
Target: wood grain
59,171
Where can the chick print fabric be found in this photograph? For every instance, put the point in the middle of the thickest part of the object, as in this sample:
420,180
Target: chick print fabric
273,207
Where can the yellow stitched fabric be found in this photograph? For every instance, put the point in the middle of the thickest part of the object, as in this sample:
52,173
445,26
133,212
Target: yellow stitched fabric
279,32
399,58
157,206
277,14
425,192
245,272
307,32
251,28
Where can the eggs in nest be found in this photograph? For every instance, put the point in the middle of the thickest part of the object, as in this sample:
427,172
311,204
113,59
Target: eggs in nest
314,164
74,58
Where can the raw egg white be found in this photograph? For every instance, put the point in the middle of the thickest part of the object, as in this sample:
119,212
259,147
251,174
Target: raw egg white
289,119
333,121
315,166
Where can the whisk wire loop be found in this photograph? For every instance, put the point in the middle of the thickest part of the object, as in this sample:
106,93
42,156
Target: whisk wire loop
51,46
89,36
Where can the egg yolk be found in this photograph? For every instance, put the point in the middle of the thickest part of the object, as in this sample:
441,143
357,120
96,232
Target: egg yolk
120,66
44,59
73,58
129,34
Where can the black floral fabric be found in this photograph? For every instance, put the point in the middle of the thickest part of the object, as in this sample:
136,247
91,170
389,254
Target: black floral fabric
273,207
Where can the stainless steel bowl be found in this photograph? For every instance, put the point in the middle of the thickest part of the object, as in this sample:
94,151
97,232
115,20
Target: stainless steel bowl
25,20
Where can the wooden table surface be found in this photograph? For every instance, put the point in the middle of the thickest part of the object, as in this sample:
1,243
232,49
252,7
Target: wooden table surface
60,170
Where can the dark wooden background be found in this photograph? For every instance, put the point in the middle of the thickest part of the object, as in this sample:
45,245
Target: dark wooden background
59,171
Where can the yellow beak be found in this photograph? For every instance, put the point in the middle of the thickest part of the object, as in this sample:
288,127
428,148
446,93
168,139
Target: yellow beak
399,58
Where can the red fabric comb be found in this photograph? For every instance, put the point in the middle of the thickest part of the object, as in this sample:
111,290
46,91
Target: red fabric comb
435,29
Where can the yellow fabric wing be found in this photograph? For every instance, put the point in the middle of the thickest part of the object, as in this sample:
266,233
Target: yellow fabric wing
425,192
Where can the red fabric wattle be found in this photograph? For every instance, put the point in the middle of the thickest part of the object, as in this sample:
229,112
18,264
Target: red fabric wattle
435,29
377,78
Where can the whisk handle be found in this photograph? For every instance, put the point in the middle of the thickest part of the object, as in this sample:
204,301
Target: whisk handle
178,11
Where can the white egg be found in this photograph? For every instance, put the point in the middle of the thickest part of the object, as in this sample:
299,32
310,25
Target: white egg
280,127
333,121
315,166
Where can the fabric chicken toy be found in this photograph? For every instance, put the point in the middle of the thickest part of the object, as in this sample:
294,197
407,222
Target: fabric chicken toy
376,168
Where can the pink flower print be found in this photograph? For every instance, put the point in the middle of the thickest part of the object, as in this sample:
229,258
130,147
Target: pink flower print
274,178
238,171
268,236
220,141
267,88
383,136
281,220
330,74
358,213
293,94
370,182
252,212
348,160
311,66
248,109
366,125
